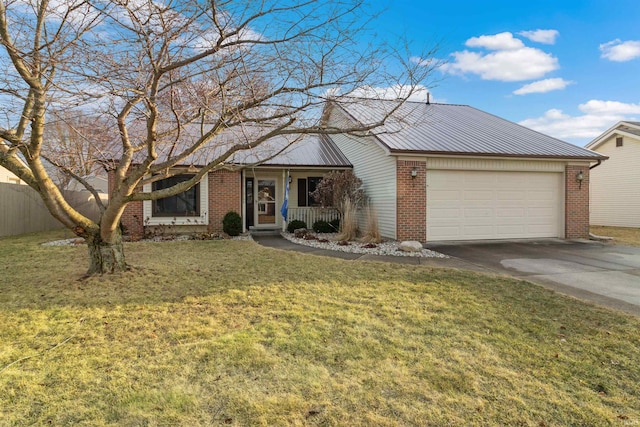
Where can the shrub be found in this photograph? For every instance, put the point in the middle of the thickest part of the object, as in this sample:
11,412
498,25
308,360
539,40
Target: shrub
321,226
335,225
336,187
295,224
232,223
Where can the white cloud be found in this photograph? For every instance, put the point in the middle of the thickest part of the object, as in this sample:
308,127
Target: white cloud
510,60
597,117
419,94
541,36
506,65
543,86
502,41
609,107
619,51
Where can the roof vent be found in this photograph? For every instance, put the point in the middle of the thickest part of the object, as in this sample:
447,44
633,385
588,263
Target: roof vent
428,98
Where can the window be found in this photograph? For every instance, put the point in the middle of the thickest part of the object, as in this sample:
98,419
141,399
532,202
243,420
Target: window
306,186
183,204
619,141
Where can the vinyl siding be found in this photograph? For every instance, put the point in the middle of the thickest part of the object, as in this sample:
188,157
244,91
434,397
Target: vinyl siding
9,177
615,185
376,169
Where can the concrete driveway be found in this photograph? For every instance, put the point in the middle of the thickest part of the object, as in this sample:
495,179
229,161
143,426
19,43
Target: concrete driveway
604,274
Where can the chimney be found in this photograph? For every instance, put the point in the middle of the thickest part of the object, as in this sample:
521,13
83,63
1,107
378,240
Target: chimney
428,98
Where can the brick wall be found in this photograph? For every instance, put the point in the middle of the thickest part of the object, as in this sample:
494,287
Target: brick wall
132,218
576,203
411,208
225,194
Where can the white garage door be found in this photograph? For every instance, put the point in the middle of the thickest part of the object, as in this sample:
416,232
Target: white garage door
473,205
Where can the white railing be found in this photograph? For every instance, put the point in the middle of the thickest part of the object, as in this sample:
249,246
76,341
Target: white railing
313,214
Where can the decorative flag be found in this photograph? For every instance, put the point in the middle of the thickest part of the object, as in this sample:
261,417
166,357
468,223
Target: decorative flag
284,210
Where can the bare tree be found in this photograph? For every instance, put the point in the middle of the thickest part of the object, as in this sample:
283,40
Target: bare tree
76,145
173,78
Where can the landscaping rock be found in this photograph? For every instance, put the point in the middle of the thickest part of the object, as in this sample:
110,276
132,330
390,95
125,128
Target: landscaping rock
299,233
410,246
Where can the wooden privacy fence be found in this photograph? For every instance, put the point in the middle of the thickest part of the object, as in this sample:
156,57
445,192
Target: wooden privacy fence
23,211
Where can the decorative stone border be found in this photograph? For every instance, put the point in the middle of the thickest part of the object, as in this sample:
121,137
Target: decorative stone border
389,247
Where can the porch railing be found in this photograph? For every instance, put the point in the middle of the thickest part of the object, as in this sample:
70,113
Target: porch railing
312,214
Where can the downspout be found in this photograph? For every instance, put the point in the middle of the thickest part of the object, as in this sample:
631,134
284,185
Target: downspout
596,165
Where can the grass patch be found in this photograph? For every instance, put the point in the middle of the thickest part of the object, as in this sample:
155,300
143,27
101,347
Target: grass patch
622,235
231,333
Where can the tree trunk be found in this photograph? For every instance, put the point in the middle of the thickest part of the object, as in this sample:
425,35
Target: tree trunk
105,257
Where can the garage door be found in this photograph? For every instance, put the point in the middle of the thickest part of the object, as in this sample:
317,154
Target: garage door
472,205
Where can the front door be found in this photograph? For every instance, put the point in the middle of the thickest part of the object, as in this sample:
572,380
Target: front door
266,189
249,201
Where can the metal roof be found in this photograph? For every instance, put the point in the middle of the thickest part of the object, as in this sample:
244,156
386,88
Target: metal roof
631,130
458,130
281,150
308,150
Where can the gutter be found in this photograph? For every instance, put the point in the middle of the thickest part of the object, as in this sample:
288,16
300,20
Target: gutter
596,165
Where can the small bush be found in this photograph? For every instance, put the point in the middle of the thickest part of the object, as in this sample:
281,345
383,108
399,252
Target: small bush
295,224
321,226
232,223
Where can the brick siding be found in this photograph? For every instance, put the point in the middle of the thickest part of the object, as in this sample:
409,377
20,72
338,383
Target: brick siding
225,194
411,207
132,218
576,203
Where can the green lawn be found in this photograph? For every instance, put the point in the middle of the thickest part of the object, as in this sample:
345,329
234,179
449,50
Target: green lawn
231,333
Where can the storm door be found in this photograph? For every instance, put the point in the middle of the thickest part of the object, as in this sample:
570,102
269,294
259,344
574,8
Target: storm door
266,189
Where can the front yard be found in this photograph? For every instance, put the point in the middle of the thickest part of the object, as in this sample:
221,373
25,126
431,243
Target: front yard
231,333
621,235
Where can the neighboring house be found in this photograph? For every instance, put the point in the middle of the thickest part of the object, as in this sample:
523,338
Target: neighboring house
434,172
615,185
8,177
452,172
255,191
99,183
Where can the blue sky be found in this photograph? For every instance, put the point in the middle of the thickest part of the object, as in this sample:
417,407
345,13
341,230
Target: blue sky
570,69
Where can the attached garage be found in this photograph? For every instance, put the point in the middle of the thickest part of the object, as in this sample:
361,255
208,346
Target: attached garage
463,174
472,205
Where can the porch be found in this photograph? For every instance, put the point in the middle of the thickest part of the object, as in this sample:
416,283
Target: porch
312,214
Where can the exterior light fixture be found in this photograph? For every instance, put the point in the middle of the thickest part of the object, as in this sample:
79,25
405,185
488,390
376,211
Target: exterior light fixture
414,172
580,178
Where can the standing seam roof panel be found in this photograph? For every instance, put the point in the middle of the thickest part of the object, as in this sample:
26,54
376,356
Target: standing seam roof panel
459,129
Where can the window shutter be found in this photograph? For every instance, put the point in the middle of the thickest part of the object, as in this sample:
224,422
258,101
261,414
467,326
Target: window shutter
302,192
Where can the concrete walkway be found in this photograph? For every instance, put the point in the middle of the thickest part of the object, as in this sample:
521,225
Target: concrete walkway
603,274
